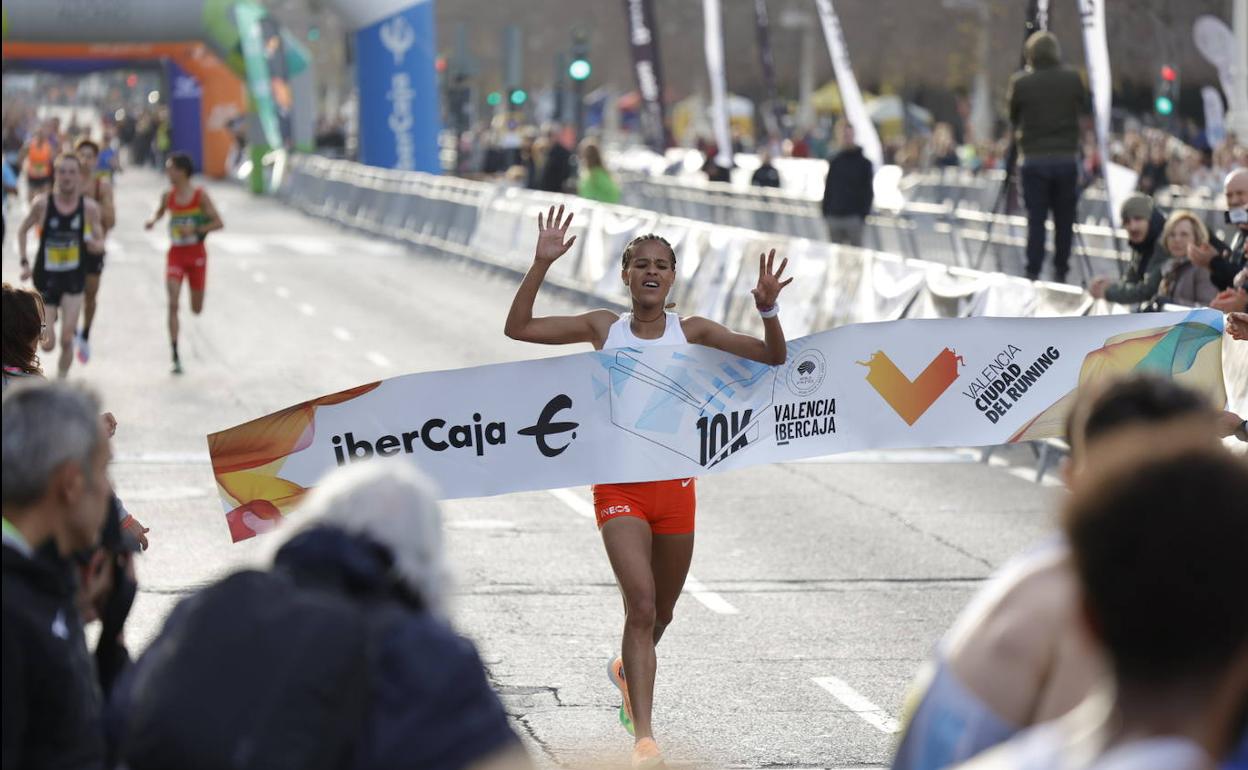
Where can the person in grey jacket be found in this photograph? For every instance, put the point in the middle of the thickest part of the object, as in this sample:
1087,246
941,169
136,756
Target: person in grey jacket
1144,223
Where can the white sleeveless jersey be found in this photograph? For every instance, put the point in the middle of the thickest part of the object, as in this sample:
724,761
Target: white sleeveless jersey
620,335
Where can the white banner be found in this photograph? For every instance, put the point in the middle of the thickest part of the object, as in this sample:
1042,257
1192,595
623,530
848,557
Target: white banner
1100,82
673,412
713,40
851,98
1215,116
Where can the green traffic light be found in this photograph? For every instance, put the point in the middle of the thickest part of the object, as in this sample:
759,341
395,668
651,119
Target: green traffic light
1164,105
494,99
579,69
519,96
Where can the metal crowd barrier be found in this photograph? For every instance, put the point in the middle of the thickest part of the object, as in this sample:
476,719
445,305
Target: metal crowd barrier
495,225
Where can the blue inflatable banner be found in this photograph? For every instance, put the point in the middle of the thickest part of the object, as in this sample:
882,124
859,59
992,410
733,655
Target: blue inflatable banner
399,110
186,124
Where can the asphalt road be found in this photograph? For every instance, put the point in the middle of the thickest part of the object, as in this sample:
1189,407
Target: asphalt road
818,587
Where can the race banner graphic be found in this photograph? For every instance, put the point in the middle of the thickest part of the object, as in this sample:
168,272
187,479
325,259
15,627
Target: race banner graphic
672,412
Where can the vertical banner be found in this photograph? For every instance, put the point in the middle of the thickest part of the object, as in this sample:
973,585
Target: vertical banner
1215,116
1092,14
255,62
644,43
186,125
398,87
855,110
772,109
713,40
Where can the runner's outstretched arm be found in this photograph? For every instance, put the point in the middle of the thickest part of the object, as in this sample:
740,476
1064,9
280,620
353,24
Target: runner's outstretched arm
210,210
38,208
160,212
108,210
93,243
551,330
771,349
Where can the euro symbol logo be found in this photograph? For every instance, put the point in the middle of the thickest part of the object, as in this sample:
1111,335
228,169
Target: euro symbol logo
544,427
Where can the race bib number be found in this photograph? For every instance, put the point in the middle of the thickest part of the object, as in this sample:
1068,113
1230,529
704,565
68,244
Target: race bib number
61,256
183,231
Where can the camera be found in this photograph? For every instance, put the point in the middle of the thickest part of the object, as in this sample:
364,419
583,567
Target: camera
1237,217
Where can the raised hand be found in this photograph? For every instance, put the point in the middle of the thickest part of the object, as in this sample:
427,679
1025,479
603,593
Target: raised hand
769,283
551,231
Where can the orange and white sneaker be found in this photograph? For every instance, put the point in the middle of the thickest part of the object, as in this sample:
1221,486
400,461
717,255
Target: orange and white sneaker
646,755
615,672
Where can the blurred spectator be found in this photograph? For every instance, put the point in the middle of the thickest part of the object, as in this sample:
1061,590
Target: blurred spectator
1153,176
23,324
766,174
848,190
557,167
1016,657
1143,223
1157,548
340,655
1222,261
596,182
10,188
1046,101
1234,299
55,499
944,153
1184,282
712,168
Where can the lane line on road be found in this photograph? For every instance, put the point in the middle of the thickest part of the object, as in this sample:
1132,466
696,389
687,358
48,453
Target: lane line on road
341,334
282,292
858,704
694,587
378,359
307,309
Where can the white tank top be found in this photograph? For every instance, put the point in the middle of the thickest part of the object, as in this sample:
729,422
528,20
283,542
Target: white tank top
620,335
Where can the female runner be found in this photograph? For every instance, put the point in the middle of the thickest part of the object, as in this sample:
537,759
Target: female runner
647,527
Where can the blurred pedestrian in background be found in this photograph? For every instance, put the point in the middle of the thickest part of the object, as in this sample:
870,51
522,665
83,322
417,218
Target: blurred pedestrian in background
766,174
596,182
1046,101
848,190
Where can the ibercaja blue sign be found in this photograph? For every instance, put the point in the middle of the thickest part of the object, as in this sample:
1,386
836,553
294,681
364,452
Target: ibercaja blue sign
398,84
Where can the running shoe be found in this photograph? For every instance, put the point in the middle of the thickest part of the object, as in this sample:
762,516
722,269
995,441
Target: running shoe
177,366
84,348
646,755
615,672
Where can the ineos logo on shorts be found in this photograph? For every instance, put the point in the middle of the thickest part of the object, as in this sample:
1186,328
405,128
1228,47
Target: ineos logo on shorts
806,372
616,509
545,427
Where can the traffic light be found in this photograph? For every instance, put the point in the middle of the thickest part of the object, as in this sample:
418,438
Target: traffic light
1167,91
494,99
518,97
579,69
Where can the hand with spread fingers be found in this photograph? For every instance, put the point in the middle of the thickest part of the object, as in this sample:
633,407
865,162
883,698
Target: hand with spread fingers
551,231
769,284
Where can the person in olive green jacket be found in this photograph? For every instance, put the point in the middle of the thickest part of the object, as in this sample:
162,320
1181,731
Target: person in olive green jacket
1047,100
596,182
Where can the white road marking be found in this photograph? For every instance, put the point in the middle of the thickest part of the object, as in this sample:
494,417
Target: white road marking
479,524
259,277
711,600
858,704
376,358
236,245
243,264
282,292
341,334
307,309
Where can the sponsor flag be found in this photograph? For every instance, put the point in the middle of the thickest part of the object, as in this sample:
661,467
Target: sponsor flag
851,97
1092,13
772,110
629,415
644,43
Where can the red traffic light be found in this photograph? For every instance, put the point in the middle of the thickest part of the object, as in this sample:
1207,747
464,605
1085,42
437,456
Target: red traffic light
1168,74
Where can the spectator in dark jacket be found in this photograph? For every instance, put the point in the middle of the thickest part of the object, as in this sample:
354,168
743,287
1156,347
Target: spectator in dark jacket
368,542
1144,224
848,191
557,168
1221,260
766,174
1046,101
55,498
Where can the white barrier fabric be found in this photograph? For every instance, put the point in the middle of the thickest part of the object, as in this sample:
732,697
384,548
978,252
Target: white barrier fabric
630,415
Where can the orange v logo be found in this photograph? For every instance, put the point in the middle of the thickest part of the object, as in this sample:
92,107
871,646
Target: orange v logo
911,398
